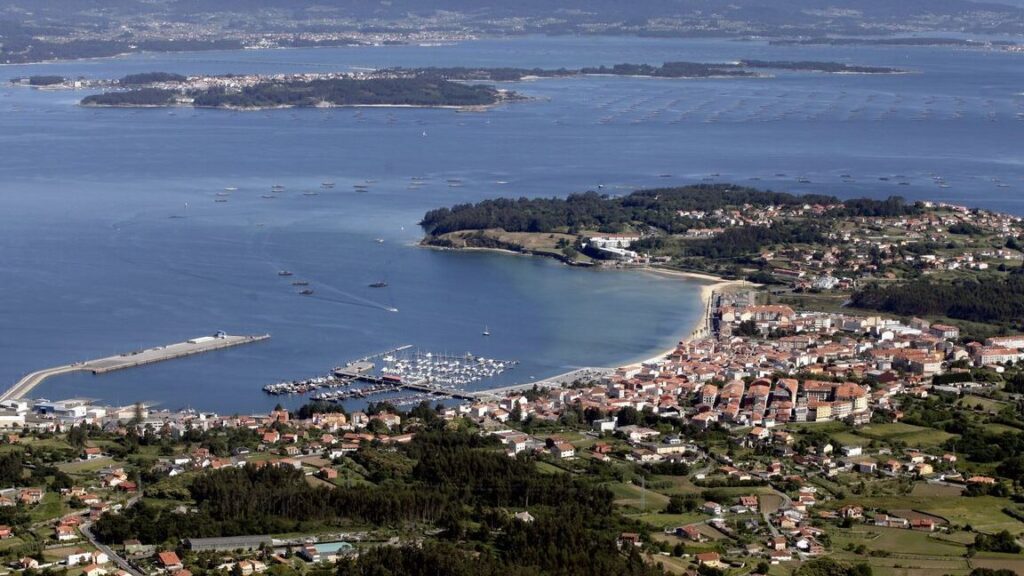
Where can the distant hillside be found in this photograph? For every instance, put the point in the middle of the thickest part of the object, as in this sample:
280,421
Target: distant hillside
822,14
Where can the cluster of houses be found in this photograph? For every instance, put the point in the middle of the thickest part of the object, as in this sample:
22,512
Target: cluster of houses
866,246
815,367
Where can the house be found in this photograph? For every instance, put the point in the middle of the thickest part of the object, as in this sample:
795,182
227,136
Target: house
709,559
852,512
749,502
563,450
250,567
309,553
93,570
29,563
327,473
629,539
691,532
945,331
92,453
713,508
6,532
168,560
78,557
891,521
867,467
924,524
65,533
31,496
776,556
134,547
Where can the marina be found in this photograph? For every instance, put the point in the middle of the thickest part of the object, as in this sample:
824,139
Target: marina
425,373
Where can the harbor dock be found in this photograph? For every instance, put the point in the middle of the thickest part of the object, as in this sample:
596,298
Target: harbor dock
132,360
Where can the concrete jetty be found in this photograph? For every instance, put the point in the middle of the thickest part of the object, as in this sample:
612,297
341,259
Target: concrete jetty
131,360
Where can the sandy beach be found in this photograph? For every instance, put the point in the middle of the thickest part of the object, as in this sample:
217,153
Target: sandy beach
702,325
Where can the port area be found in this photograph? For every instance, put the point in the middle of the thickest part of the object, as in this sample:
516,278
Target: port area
199,345
423,373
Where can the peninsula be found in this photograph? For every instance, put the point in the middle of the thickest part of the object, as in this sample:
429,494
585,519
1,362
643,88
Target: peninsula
947,262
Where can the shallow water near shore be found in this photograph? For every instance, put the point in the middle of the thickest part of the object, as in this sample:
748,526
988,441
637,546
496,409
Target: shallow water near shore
111,238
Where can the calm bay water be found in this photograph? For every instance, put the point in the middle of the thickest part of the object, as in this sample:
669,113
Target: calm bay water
110,238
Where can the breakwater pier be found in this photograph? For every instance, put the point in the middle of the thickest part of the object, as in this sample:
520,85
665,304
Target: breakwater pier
131,360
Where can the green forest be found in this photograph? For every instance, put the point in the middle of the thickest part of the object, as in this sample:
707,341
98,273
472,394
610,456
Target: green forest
348,92
592,211
338,92
140,97
998,301
458,482
150,77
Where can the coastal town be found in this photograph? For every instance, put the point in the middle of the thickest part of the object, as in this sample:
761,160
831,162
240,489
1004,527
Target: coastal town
269,306
771,438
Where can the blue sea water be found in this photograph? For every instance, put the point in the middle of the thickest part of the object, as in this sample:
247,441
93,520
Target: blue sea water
110,238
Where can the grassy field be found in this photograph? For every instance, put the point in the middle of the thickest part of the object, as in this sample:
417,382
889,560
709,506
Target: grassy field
668,521
971,401
670,564
541,242
629,495
916,436
926,490
683,486
999,561
982,513
769,503
10,543
896,541
902,566
86,466
51,507
548,468
996,428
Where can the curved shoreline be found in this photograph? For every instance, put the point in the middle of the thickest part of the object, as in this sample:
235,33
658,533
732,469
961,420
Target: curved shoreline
709,285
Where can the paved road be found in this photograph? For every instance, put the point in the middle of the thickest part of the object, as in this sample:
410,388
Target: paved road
787,502
120,562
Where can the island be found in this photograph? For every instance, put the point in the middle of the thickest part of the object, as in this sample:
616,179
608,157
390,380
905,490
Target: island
331,92
455,87
814,66
672,69
930,41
